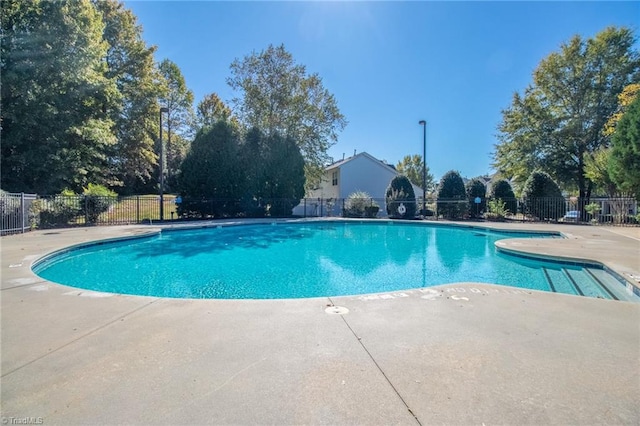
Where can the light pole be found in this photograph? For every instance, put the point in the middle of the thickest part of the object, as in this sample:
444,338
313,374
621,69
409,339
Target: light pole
424,166
163,109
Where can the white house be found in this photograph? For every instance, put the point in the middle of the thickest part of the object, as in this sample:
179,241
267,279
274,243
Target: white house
362,172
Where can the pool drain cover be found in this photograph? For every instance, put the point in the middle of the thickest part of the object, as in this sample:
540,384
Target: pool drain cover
336,310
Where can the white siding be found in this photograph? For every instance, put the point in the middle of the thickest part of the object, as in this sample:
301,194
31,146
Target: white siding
327,189
360,173
365,174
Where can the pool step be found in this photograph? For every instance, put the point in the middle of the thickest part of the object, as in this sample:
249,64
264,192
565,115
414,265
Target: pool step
558,281
590,282
587,285
613,285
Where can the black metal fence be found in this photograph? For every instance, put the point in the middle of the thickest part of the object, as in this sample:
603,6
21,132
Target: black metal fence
15,212
21,212
62,210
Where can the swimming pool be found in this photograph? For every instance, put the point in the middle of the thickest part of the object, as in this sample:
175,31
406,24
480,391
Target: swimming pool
312,259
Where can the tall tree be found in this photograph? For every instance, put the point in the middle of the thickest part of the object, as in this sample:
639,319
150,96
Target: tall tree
624,162
178,99
277,95
561,117
210,110
56,96
411,167
211,167
598,164
625,98
131,65
283,186
596,169
273,168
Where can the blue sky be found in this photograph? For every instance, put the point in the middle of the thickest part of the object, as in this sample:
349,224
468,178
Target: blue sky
388,64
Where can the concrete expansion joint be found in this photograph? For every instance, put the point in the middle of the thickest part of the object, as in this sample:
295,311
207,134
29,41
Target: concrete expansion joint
90,332
359,339
30,282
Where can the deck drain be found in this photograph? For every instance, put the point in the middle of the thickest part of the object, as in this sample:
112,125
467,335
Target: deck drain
336,310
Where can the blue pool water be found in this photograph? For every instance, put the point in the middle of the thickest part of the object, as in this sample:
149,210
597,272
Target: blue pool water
295,260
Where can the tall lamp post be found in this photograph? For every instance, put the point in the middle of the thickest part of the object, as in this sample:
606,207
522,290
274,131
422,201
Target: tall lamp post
163,109
424,166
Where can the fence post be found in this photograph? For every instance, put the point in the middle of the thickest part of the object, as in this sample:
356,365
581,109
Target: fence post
305,208
137,209
86,210
22,212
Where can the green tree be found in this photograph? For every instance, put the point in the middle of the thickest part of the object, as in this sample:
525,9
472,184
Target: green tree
596,169
411,167
254,170
625,98
543,197
210,110
275,94
562,115
283,184
56,96
501,190
452,197
179,121
400,198
211,179
476,189
131,65
273,168
624,162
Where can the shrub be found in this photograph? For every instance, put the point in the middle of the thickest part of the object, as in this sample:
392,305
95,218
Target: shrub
502,190
360,204
452,197
400,198
372,210
476,189
59,210
542,197
592,209
497,210
97,200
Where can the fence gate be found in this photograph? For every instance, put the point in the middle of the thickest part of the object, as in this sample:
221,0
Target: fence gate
15,212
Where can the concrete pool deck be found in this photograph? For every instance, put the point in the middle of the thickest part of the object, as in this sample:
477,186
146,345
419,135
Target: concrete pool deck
465,353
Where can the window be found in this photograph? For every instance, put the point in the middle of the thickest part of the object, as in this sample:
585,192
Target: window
334,178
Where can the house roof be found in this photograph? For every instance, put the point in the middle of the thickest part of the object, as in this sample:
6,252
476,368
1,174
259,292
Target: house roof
340,163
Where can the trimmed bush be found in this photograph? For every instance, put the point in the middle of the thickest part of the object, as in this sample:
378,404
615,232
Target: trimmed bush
501,190
542,197
360,204
476,188
97,200
452,196
400,198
